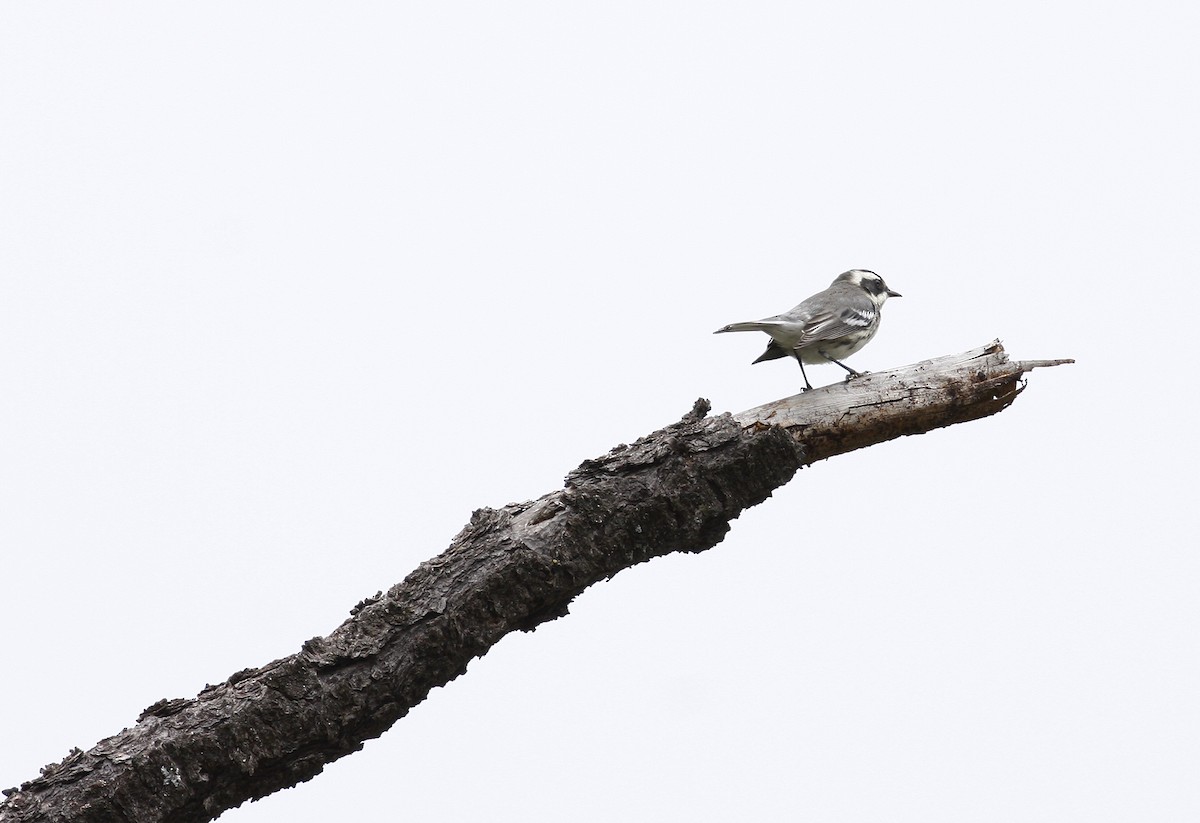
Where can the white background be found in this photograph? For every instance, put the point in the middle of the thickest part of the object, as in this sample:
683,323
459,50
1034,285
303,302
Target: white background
288,289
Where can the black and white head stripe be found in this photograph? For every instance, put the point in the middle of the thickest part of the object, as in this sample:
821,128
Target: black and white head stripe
871,283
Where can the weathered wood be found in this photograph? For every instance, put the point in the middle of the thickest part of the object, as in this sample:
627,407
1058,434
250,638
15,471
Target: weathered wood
510,569
910,400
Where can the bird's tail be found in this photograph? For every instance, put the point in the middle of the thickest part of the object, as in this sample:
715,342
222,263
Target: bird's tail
752,326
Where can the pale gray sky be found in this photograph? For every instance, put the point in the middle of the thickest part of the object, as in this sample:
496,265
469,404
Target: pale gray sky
289,289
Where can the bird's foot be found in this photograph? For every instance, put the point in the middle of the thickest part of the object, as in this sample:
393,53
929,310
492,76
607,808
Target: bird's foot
850,375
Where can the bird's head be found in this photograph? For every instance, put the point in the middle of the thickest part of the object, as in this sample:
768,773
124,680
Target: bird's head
870,282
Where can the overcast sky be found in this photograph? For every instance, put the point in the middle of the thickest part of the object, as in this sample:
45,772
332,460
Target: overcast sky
288,289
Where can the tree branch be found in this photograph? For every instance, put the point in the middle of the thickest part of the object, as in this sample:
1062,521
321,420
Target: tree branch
909,400
676,489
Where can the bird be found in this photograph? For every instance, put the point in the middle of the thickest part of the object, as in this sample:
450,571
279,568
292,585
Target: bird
827,327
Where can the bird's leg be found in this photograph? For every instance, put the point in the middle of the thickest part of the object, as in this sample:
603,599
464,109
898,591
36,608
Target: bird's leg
807,385
850,373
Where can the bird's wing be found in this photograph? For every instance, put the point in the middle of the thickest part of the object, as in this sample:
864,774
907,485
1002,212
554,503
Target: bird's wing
858,313
774,352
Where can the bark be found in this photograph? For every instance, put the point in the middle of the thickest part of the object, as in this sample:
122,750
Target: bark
676,489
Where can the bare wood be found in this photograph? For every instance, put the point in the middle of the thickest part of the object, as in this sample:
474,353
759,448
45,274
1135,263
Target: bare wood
676,489
910,400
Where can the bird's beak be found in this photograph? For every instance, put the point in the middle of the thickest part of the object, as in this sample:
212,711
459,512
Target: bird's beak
894,293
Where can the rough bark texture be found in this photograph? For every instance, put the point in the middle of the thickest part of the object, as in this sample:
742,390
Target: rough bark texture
675,490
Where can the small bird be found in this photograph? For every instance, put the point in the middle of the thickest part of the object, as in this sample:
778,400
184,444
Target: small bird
828,326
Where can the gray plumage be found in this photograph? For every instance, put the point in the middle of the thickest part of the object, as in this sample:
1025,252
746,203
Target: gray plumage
827,327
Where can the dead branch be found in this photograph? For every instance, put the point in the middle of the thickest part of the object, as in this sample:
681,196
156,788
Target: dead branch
677,489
